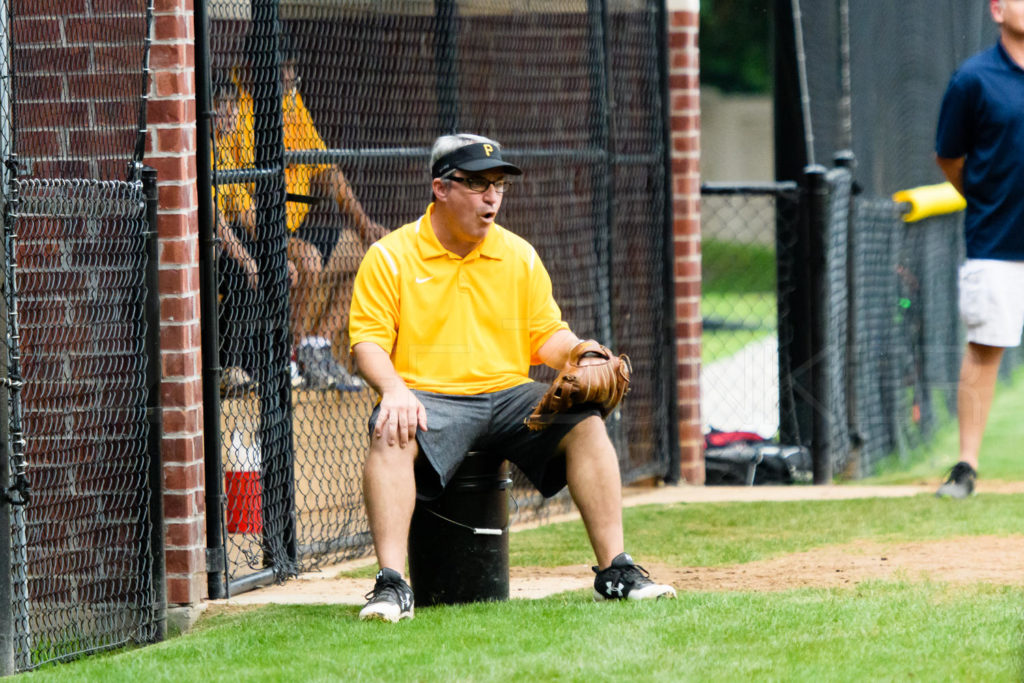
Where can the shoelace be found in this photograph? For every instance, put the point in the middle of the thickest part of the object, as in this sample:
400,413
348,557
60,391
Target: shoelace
389,588
637,573
959,472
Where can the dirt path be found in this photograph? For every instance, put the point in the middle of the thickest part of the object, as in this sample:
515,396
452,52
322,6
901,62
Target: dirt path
989,559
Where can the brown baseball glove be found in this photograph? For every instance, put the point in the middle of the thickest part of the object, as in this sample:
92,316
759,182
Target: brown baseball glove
592,375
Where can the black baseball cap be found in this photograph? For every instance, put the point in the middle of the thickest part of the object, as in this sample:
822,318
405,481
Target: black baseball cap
480,156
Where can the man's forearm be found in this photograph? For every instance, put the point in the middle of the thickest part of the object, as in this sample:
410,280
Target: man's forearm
555,351
375,366
953,169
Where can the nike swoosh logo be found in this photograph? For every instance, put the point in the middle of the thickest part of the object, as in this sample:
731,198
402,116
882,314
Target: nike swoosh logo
421,280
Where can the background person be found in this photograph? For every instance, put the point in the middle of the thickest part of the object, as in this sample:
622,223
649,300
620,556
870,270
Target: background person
325,256
980,149
448,314
234,224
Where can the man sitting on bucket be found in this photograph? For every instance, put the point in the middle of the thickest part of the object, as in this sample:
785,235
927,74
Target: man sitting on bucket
448,313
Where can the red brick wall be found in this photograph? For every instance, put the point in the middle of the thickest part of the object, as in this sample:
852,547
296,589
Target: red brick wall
170,149
90,62
684,94
76,83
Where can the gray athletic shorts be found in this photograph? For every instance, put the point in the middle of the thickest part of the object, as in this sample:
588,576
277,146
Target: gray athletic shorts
457,425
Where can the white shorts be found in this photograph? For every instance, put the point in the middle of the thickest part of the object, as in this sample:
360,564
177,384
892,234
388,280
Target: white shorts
992,301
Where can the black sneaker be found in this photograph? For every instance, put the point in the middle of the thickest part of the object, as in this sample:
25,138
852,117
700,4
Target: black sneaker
390,600
623,580
320,371
960,482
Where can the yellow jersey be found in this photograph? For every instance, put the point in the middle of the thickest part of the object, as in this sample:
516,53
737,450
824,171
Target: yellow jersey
454,325
299,132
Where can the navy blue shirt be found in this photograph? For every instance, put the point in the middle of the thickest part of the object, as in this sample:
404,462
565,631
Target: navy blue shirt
982,118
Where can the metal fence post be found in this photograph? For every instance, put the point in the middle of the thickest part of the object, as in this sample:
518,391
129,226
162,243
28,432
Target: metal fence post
280,549
7,634
816,189
601,138
153,409
673,471
216,576
846,159
446,53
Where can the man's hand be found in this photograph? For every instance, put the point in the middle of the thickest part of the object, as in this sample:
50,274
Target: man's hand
591,375
252,273
400,411
400,415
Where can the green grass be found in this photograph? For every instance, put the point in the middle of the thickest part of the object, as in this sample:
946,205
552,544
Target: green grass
727,533
878,631
738,288
887,630
1000,458
733,267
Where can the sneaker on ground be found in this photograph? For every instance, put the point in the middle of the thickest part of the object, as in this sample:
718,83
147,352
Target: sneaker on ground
349,382
959,483
321,371
235,381
624,580
390,600
295,376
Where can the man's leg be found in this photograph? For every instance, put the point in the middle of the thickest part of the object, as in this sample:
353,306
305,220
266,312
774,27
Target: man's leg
978,374
338,279
389,491
309,267
592,474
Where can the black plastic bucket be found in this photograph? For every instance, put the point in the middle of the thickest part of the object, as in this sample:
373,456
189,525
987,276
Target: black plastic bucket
458,543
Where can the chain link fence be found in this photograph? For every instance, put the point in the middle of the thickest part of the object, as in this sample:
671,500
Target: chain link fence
747,230
84,565
857,356
863,362
324,116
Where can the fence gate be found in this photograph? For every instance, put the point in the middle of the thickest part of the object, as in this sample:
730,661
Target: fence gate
308,93
80,422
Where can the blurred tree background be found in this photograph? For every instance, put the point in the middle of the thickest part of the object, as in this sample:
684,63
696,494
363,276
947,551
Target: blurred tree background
735,45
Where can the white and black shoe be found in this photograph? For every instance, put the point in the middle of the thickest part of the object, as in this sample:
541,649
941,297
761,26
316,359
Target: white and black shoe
960,482
390,600
321,372
624,580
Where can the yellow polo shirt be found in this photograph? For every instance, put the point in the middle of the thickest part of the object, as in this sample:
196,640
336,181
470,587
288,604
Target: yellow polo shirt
233,199
454,325
298,133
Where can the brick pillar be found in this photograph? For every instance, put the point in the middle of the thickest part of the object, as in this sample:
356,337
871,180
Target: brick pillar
684,95
170,149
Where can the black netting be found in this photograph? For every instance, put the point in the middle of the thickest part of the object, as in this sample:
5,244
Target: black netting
837,314
76,239
882,101
349,97
869,77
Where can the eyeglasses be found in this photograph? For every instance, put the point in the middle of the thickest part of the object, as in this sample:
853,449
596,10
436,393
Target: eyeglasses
480,185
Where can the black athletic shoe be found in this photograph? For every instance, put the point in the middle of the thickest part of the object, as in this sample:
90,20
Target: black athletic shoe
321,372
623,580
390,600
960,482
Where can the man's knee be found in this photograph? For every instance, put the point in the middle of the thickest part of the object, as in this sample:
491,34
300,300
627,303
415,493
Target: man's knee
392,455
588,434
